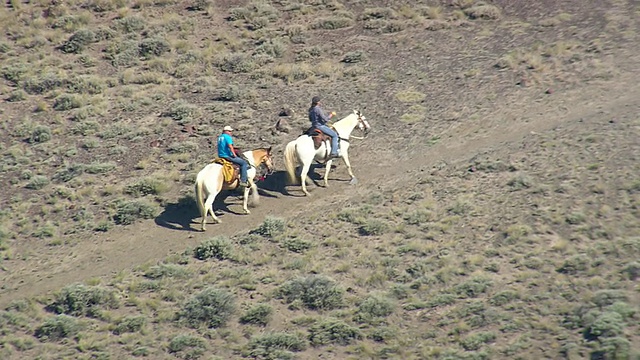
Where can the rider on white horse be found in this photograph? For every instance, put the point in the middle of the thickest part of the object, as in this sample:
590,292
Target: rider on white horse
226,151
319,121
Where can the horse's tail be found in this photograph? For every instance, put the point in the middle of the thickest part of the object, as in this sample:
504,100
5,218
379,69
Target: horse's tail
290,161
200,194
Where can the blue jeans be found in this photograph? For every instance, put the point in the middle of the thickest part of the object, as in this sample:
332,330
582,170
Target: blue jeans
334,137
243,166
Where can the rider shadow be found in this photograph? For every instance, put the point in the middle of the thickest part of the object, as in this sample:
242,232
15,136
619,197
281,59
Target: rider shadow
180,215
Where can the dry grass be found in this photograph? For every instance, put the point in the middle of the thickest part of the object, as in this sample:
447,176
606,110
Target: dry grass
485,264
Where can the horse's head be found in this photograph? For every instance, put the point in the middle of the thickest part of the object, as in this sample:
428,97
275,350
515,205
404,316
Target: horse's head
267,160
363,124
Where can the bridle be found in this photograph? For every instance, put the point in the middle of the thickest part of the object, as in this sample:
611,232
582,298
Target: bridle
365,127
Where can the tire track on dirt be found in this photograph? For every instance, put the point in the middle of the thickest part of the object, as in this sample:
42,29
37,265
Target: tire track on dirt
122,249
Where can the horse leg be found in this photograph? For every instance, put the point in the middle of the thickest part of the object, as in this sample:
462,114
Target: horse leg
345,158
208,209
245,199
326,172
303,177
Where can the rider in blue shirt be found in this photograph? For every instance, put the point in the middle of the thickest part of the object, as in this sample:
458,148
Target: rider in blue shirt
319,120
226,151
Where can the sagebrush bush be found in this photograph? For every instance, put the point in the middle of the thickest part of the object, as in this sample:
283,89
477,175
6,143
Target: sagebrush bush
130,324
37,182
220,247
296,244
473,287
127,212
373,227
43,83
66,102
167,270
477,340
270,227
40,134
147,186
275,346
78,41
373,307
155,46
57,328
79,299
212,307
333,331
181,111
235,63
258,315
316,292
187,347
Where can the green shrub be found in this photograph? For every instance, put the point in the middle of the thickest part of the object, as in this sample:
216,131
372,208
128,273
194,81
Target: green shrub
17,95
296,244
632,270
272,47
69,173
613,348
332,23
130,324
167,270
57,328
86,85
155,46
129,24
182,147
99,167
123,53
220,247
607,324
181,111
333,331
382,334
353,57
477,340
373,227
211,307
473,287
127,212
37,182
187,347
378,13
67,102
574,265
608,297
43,83
503,297
235,63
274,346
374,307
40,134
270,227
483,11
78,41
148,186
257,315
14,73
79,299
315,291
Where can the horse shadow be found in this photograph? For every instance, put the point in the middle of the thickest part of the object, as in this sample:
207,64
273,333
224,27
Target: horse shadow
179,215
183,214
277,181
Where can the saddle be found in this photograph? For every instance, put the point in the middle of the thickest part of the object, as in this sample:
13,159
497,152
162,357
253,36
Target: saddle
230,171
317,135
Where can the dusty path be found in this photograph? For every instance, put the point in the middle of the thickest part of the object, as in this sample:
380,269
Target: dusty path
124,248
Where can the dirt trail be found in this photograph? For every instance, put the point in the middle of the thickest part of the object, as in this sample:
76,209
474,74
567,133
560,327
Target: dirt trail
124,248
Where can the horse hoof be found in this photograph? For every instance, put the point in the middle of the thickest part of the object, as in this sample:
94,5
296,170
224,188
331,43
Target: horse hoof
247,212
353,181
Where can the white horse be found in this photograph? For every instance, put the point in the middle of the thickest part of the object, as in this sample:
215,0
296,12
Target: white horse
302,150
210,181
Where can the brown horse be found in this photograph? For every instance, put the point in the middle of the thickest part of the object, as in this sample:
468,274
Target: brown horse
210,181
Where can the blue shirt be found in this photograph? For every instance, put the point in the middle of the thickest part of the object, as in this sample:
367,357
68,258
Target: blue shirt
224,140
317,116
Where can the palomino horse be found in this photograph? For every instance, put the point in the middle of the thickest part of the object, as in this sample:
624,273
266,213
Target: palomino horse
210,181
301,150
